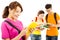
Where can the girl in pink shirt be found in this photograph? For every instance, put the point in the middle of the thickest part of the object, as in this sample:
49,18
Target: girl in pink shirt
11,14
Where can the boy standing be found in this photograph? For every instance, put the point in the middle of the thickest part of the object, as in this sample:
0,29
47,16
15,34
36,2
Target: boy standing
52,18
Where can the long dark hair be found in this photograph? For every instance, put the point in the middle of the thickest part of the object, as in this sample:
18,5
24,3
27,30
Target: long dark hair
12,5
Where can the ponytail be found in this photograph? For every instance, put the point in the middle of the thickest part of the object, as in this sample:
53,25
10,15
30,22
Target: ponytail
6,12
12,5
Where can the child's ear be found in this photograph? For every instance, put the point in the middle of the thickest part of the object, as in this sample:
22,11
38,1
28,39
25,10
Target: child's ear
9,9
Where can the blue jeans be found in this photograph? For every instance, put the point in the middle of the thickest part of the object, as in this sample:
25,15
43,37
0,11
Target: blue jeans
35,37
51,37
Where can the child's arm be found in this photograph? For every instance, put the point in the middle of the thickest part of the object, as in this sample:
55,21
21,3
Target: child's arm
31,27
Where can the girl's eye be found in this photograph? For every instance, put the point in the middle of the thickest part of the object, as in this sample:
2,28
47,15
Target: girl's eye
17,11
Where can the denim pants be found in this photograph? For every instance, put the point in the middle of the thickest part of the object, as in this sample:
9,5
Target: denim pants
35,37
51,37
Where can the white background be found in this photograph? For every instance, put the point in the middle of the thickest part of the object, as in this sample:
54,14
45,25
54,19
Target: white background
30,9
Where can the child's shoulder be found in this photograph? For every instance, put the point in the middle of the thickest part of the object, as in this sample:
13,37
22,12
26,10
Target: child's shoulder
32,25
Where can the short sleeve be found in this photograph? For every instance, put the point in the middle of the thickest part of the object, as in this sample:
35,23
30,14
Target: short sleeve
58,17
4,30
31,26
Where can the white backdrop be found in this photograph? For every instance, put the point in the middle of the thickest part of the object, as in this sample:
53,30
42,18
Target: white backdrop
30,9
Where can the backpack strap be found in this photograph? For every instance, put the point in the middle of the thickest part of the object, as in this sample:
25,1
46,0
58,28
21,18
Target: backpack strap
55,17
46,18
23,37
42,20
35,19
13,26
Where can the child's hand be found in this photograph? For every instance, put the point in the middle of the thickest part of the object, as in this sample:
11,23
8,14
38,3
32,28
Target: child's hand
37,28
23,32
42,28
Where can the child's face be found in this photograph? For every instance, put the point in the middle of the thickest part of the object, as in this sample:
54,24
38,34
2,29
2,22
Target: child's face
41,16
14,13
49,10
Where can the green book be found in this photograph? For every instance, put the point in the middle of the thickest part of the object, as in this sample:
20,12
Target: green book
45,26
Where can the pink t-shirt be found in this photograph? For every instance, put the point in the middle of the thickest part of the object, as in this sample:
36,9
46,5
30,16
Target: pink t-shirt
10,32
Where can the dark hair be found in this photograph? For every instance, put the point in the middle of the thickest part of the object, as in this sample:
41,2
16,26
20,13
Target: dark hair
47,6
12,5
40,12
